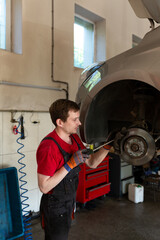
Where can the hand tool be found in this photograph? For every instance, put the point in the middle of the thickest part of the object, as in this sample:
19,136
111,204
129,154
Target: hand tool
91,151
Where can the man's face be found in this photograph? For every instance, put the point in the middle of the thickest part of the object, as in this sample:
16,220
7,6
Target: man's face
72,123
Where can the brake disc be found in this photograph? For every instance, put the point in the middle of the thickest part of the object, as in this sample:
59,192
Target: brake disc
137,147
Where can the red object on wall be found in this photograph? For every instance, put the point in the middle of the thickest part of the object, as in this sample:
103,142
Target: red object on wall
15,130
93,183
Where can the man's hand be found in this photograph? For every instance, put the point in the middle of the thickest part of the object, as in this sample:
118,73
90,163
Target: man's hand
109,148
76,159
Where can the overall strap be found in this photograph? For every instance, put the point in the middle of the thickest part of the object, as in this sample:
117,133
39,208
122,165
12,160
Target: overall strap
79,146
65,154
66,189
61,150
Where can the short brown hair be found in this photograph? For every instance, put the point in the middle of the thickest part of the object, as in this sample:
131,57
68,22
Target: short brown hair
60,108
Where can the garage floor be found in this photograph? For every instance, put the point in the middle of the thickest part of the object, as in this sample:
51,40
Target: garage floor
114,219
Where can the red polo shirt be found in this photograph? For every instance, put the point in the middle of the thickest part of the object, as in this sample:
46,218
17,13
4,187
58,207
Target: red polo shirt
49,157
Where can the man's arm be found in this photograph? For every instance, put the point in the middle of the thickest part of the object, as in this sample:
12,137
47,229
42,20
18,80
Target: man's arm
46,183
97,157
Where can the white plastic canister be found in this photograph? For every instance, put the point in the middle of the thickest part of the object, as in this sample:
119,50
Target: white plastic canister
136,193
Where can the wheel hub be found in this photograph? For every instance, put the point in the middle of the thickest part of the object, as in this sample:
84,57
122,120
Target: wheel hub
137,147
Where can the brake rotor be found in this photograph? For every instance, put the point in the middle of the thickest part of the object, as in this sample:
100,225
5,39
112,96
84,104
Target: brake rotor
137,147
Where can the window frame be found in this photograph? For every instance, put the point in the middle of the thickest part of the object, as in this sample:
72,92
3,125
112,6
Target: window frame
7,25
13,32
100,32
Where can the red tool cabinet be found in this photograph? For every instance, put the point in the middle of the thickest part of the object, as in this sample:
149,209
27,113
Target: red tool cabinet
93,183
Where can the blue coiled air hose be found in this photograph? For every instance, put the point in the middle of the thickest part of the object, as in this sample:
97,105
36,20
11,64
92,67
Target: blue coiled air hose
23,182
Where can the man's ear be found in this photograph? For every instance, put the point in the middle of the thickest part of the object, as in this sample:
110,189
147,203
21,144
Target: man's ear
59,122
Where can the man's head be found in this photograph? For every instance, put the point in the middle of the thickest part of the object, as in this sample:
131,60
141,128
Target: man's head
60,109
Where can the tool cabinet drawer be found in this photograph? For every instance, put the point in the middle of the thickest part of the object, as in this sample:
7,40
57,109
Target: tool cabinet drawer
97,180
98,191
102,164
104,167
93,182
95,175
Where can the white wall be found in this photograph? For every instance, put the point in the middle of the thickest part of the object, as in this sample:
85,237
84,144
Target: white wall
9,146
33,67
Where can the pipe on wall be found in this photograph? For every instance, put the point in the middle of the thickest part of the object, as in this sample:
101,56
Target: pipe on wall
52,54
30,86
14,84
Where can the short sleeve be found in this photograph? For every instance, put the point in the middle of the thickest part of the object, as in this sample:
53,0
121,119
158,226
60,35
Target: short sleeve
46,160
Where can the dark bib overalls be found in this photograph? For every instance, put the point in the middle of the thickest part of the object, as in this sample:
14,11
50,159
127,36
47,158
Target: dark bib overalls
56,208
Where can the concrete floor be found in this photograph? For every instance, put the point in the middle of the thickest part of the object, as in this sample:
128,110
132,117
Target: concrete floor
109,218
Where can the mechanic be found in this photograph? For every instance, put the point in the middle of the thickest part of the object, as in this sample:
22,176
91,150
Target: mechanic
58,158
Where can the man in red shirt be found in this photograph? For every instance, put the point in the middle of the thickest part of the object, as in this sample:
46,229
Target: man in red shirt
58,157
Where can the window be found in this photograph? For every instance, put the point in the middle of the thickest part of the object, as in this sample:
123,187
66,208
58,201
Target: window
83,42
89,38
11,15
2,24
